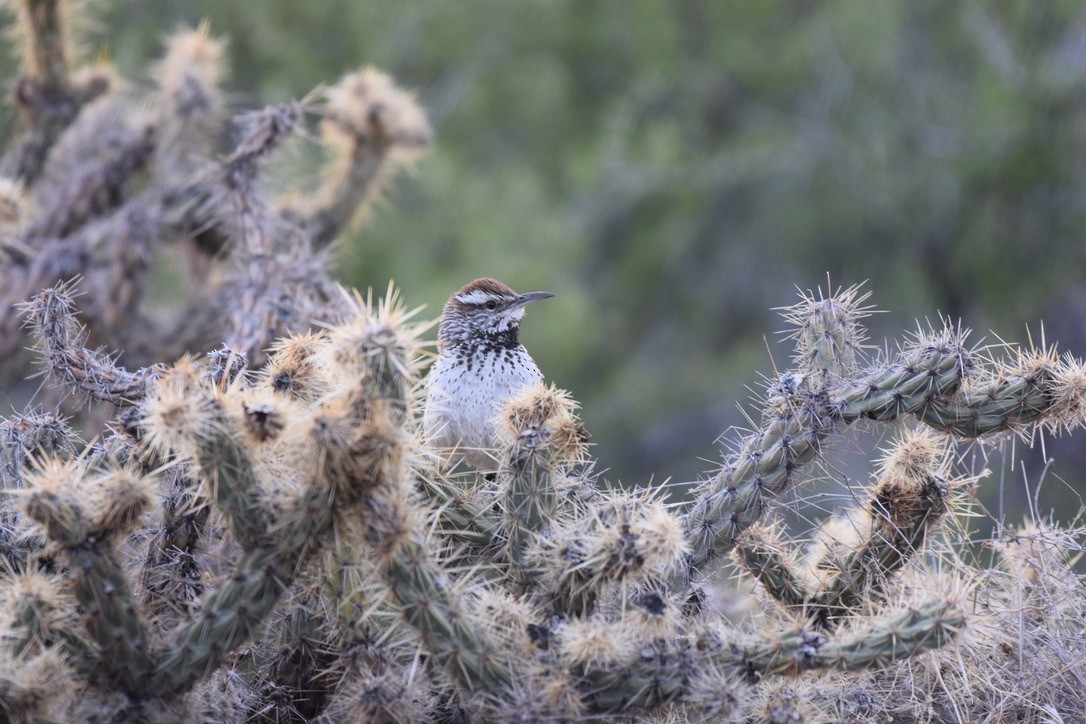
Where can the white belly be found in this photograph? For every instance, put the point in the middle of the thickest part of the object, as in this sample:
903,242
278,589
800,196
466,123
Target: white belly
465,397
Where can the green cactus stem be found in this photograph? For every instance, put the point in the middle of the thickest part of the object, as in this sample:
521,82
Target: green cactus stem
1009,402
462,519
531,497
766,462
776,574
233,485
663,669
101,588
422,591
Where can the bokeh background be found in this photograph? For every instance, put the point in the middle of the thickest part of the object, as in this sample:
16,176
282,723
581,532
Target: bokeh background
673,171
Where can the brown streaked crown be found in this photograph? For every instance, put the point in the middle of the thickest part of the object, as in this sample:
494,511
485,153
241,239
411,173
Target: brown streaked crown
482,312
486,284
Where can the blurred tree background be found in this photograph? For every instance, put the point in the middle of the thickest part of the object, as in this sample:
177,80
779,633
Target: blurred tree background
675,170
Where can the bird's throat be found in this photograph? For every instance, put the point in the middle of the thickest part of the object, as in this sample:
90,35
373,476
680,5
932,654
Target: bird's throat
506,339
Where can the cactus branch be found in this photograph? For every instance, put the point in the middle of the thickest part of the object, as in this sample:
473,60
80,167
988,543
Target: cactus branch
766,461
51,315
662,670
101,588
46,97
462,518
1017,394
531,498
772,570
899,528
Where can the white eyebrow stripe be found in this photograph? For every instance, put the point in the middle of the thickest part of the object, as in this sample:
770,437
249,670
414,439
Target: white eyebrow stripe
475,296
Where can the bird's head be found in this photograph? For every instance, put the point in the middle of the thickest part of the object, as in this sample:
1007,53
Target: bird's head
485,311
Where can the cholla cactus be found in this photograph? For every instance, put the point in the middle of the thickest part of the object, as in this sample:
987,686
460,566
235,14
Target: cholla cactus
855,557
324,526
259,532
103,180
322,535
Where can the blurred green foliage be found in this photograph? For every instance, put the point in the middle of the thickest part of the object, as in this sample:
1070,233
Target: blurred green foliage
673,170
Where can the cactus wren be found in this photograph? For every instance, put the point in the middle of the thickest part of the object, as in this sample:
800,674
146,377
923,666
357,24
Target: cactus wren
480,366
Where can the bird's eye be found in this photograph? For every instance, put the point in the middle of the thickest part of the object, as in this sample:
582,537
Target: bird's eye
491,305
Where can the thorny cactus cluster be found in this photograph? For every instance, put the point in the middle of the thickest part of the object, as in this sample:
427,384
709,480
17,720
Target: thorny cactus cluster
101,181
260,534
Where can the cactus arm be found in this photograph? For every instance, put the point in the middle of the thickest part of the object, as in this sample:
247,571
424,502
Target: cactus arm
773,572
101,588
767,461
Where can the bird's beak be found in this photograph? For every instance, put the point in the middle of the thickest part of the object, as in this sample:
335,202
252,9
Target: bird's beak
529,298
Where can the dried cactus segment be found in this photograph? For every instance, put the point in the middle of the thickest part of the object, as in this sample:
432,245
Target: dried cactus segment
900,515
538,692
1038,557
371,129
48,95
30,435
79,186
269,423
124,278
51,315
783,704
292,370
191,105
373,688
856,556
264,132
173,575
715,693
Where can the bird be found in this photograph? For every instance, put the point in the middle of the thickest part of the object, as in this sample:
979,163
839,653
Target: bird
481,365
